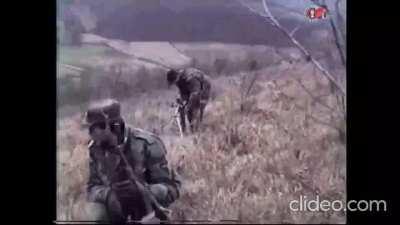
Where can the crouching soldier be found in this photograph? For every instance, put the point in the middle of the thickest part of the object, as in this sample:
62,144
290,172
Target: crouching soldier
194,90
129,172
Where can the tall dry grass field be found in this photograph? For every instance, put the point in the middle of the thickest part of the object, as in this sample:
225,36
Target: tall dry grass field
251,158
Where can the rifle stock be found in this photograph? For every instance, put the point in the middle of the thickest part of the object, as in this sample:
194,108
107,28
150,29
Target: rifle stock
178,119
180,110
161,212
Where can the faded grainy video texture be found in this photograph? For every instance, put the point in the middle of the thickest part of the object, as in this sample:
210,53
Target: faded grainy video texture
274,126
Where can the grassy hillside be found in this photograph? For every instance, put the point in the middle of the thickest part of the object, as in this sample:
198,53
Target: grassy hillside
98,55
251,158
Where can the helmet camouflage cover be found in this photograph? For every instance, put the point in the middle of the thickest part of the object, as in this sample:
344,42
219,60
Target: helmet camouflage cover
102,111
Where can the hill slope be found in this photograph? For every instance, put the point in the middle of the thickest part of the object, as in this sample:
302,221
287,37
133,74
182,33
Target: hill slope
251,158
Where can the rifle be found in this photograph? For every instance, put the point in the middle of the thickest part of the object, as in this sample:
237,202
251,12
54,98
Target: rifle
178,111
159,211
179,107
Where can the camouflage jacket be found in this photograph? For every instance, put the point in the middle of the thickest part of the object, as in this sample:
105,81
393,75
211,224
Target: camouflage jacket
145,153
193,85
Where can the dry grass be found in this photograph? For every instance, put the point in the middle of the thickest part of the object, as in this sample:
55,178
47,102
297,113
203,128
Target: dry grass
245,165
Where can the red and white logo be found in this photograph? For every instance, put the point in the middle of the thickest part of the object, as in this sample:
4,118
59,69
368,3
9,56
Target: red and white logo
316,13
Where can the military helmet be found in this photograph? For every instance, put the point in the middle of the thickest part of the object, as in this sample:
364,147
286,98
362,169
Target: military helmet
172,75
102,111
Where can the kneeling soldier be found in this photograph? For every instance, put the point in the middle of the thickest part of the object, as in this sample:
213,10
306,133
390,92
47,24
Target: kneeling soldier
129,172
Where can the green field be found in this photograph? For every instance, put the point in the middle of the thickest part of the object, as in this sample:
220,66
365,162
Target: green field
82,55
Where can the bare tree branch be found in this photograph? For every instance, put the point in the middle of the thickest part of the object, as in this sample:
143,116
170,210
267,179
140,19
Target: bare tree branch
290,10
294,30
249,8
269,14
340,19
339,15
270,18
251,84
178,50
337,32
338,42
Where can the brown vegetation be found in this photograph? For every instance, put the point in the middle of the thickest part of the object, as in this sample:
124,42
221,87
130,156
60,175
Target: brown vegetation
247,163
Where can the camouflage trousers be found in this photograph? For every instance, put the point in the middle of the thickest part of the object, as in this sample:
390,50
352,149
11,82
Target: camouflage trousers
194,113
98,212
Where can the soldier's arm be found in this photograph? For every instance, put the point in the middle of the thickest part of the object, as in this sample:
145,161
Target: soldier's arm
97,191
164,183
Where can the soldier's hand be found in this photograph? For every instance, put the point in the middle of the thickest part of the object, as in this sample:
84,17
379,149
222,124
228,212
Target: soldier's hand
125,189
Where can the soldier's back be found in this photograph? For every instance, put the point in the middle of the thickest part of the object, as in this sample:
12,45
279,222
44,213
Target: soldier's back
190,76
192,73
154,145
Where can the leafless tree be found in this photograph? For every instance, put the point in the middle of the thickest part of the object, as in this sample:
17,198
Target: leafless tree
290,35
337,24
339,36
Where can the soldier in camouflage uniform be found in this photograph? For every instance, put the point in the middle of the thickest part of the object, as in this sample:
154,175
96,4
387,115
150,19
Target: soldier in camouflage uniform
108,182
194,89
